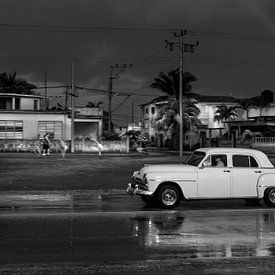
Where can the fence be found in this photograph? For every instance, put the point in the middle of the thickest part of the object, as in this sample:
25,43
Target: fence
263,142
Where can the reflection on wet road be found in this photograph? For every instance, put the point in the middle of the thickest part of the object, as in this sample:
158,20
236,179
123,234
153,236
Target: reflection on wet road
209,234
110,234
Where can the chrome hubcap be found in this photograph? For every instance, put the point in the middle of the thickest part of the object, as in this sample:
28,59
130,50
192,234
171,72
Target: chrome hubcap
169,197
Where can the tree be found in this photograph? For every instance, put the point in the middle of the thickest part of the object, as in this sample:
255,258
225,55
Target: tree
10,84
169,84
263,101
225,113
168,120
245,104
168,117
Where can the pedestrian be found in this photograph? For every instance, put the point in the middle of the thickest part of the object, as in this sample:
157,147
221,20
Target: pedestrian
63,147
46,145
37,146
99,148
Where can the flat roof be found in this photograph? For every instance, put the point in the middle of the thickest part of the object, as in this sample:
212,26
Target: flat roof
20,95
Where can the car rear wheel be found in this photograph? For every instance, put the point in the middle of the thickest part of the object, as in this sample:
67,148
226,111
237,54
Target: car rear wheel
169,196
269,197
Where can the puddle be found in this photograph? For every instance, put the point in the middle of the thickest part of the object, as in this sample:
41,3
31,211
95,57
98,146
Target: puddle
215,236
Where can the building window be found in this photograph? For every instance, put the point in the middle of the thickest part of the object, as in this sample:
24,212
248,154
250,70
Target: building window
35,104
5,103
146,110
11,129
53,127
17,103
153,110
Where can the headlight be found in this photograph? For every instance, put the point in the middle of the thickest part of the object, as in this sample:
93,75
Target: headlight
145,178
135,174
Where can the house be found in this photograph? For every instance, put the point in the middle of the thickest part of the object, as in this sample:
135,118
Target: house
258,121
208,106
150,111
22,117
209,128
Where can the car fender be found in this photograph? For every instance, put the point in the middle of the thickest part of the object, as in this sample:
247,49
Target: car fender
265,181
171,183
180,181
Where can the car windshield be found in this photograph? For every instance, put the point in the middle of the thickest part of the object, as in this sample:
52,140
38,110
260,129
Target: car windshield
195,158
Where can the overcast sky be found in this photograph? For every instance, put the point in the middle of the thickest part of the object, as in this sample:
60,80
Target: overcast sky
235,55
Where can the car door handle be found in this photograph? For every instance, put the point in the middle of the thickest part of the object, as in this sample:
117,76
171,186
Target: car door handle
226,171
258,172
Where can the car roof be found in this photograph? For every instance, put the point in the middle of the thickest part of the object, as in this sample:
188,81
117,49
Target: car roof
261,156
229,150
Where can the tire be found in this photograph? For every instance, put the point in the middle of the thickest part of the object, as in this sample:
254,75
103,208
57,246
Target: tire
168,196
269,197
149,200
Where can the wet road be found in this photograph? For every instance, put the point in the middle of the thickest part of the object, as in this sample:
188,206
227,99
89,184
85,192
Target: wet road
85,233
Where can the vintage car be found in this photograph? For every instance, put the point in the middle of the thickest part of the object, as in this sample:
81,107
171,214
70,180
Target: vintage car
208,173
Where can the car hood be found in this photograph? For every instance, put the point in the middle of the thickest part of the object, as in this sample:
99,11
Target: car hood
164,168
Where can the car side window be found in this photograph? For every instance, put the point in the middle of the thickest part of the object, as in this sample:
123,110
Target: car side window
218,161
253,162
244,161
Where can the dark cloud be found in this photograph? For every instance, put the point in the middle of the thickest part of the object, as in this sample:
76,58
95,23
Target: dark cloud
235,54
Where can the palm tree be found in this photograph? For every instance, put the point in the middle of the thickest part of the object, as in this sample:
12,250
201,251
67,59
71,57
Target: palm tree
168,117
10,84
245,104
262,101
169,84
225,113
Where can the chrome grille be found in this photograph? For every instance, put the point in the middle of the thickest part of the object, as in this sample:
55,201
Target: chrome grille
141,184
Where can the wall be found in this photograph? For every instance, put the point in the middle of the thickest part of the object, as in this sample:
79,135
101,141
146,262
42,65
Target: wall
86,129
255,112
30,122
13,145
121,146
27,103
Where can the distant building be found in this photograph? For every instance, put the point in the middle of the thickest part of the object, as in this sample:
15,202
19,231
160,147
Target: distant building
23,117
206,104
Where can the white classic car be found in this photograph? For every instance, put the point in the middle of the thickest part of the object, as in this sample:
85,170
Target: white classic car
208,173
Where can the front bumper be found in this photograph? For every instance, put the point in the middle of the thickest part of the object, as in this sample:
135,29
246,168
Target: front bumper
136,191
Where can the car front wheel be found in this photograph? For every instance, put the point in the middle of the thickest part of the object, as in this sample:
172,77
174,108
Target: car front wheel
269,197
168,196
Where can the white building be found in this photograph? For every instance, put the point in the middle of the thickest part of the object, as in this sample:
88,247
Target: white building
207,105
21,117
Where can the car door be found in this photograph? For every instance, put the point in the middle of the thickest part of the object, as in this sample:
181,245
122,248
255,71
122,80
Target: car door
245,174
214,181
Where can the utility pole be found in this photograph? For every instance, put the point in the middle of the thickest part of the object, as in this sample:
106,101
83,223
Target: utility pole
184,48
73,106
110,89
132,119
45,103
66,100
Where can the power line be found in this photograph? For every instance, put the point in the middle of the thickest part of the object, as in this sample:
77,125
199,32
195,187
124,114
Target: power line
234,36
62,28
233,64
